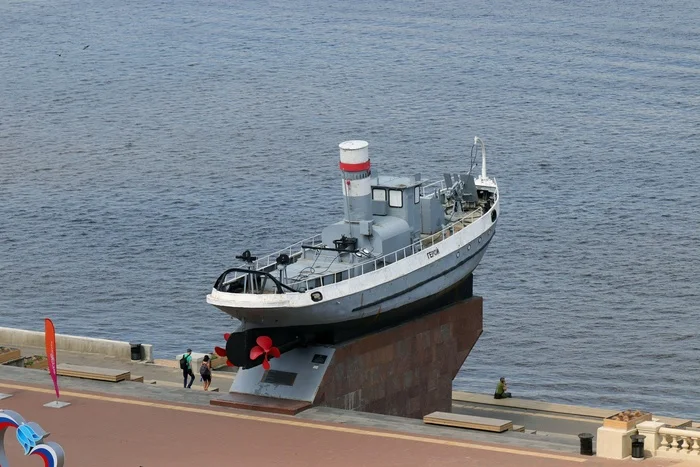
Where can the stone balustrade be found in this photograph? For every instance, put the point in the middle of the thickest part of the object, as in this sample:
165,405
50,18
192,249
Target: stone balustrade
674,443
681,441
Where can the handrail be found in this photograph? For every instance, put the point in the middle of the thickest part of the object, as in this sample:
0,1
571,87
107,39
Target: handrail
272,257
679,432
219,282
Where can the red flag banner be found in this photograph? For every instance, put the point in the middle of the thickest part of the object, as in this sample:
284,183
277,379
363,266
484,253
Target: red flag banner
50,332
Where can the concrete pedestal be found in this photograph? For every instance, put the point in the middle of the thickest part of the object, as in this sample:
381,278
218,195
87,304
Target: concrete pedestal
614,443
406,370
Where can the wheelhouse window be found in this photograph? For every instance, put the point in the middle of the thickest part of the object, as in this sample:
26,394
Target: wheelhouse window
416,195
378,194
395,199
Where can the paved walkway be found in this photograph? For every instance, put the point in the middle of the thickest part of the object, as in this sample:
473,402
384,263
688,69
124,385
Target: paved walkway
173,374
110,431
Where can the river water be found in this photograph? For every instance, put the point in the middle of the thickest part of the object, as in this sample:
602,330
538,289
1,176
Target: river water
144,145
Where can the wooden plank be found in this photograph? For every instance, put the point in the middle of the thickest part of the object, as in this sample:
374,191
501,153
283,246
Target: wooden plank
626,424
529,404
261,403
90,372
136,378
519,428
468,421
9,354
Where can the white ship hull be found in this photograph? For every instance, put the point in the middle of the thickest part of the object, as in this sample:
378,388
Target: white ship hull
422,274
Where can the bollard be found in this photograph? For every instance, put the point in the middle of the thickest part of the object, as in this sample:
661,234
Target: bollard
136,351
586,444
638,446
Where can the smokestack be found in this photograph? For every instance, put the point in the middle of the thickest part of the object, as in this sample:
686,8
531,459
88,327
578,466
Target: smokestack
357,187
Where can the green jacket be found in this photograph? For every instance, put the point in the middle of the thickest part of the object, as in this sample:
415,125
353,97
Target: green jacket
500,388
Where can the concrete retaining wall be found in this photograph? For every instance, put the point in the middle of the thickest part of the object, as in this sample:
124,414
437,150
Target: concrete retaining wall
117,349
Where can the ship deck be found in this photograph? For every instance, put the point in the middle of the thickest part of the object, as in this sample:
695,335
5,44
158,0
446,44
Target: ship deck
322,265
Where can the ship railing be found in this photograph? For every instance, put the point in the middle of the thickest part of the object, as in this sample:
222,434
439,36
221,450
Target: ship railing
437,185
291,250
661,440
294,251
253,281
374,264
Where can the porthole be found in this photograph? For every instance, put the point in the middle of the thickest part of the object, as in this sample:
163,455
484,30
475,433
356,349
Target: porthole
316,296
469,247
494,215
479,239
458,254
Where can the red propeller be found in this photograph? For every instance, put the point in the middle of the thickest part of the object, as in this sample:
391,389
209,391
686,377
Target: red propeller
265,348
222,352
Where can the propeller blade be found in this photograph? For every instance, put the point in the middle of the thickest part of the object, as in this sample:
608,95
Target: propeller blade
266,364
226,336
274,352
265,342
219,351
229,363
255,352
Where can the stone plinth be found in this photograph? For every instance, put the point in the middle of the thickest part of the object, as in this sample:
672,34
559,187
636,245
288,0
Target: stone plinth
406,370
614,443
261,403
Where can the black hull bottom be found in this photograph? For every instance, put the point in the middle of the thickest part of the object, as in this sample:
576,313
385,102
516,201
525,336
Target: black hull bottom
239,344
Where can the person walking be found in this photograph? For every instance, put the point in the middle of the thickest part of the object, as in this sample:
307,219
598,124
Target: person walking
205,372
186,366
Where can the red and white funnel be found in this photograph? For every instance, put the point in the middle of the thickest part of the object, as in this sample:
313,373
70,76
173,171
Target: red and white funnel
357,187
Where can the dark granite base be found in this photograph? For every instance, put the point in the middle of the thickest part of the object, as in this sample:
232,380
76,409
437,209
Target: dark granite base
406,370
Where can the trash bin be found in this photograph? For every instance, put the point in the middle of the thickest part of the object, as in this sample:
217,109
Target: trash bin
136,351
586,444
637,446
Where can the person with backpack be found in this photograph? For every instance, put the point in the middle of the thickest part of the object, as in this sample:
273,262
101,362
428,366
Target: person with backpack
186,367
205,372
